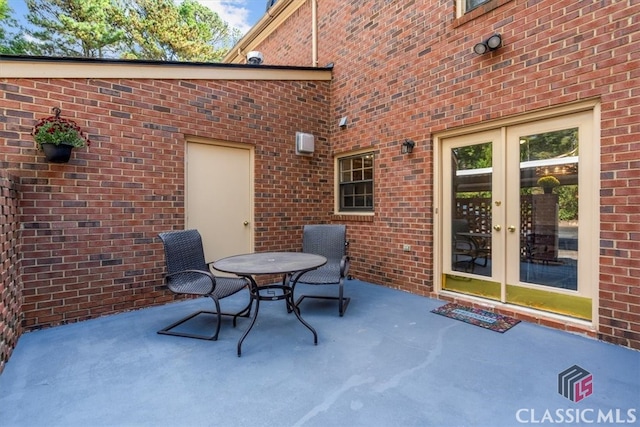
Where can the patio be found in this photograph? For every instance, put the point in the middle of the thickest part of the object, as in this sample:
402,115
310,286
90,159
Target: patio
388,362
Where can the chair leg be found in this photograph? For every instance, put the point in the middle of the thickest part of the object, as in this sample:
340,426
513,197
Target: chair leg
343,302
217,303
168,330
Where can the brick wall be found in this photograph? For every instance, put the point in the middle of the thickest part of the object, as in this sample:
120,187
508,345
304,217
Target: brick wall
406,69
10,283
89,242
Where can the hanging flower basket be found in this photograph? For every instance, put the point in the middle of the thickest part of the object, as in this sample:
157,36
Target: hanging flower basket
56,137
60,153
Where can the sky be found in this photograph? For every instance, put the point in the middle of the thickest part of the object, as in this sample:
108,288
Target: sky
241,14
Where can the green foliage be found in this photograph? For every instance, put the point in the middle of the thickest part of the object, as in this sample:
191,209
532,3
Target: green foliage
548,145
548,181
162,30
474,156
74,28
567,202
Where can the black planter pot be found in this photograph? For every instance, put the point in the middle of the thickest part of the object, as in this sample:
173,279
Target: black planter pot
57,153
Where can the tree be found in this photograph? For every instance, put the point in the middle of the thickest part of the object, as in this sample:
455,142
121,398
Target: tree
76,28
133,29
10,41
162,30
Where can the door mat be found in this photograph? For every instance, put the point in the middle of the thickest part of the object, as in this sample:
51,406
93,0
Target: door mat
475,316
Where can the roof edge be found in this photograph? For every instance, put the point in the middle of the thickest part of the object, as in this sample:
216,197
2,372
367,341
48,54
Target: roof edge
20,66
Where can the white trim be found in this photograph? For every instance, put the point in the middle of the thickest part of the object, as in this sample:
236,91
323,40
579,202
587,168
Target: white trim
34,68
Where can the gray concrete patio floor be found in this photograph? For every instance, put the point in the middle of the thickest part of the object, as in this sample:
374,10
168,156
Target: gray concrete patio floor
388,362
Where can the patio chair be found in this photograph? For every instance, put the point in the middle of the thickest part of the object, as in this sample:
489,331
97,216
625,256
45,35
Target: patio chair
329,241
466,249
188,273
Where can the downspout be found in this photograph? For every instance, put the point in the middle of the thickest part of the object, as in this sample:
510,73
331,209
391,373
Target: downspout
314,32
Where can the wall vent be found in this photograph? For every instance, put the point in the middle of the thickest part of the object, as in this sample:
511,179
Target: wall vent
305,144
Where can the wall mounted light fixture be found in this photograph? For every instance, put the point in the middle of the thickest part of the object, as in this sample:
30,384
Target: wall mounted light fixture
492,43
407,146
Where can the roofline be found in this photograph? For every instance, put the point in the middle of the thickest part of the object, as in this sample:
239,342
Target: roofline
20,66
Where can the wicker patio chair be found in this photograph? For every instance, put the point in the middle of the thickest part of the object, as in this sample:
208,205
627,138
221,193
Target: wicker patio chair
329,241
188,273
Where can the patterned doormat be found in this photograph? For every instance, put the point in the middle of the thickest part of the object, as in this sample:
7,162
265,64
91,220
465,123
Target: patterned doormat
475,316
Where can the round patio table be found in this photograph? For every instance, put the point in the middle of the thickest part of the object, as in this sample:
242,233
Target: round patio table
284,263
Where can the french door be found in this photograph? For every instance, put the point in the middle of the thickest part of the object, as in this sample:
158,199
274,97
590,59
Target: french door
517,217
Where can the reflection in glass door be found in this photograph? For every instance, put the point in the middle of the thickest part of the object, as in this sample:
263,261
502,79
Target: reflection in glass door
471,211
549,208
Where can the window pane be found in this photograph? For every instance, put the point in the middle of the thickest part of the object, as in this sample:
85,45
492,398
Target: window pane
472,4
549,208
368,174
471,224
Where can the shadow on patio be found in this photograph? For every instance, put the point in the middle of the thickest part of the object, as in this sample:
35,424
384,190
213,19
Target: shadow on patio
388,362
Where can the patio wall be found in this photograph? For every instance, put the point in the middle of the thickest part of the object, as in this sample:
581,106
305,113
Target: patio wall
10,283
89,243
406,69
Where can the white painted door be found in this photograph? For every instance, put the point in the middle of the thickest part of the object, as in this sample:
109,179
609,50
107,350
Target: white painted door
219,196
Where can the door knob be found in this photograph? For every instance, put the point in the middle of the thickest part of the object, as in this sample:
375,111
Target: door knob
246,223
497,227
511,228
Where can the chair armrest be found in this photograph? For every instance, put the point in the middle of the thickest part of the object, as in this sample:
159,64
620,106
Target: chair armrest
204,273
344,266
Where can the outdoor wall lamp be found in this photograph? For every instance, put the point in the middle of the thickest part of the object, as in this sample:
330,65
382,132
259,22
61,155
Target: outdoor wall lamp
407,146
492,43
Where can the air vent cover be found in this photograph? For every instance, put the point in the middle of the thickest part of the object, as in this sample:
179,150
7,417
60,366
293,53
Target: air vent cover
305,144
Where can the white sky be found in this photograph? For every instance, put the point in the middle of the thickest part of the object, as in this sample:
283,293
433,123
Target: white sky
241,14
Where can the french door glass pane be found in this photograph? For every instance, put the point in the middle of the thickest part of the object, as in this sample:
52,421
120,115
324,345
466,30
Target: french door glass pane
549,209
471,213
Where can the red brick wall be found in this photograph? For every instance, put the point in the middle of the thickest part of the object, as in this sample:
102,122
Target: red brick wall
10,283
406,69
89,239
